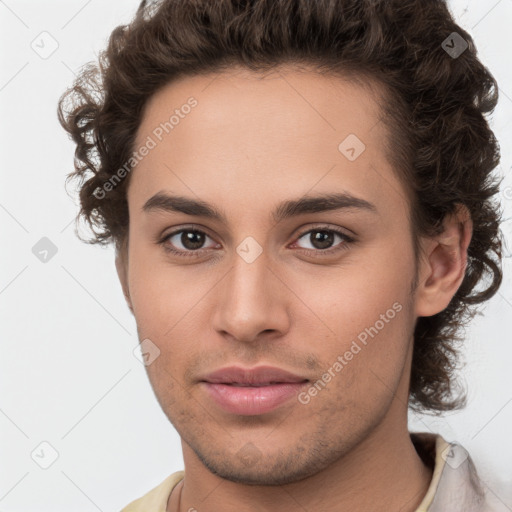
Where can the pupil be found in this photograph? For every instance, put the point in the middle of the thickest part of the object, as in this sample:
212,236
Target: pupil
321,239
187,239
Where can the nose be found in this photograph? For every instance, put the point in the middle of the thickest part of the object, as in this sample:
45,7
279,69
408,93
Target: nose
252,302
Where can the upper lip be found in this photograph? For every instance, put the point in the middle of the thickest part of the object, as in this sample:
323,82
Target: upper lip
251,376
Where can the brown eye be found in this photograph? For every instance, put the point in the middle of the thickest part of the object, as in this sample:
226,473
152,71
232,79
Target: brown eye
321,239
192,239
185,242
324,240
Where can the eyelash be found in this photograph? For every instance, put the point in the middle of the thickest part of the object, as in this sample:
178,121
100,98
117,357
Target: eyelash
347,241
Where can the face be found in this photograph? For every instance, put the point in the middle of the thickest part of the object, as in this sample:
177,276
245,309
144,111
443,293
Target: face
321,290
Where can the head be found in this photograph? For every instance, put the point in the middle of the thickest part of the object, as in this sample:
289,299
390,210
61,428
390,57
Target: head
256,118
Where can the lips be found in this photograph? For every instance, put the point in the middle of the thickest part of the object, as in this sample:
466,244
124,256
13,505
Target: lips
256,377
250,392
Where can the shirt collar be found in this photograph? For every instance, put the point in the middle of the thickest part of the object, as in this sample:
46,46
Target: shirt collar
455,484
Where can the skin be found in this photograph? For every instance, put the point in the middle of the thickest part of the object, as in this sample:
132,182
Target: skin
251,142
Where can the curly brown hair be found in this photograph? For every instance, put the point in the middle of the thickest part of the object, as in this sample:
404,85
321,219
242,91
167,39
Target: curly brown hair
443,149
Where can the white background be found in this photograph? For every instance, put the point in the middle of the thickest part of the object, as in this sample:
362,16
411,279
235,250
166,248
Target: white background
67,372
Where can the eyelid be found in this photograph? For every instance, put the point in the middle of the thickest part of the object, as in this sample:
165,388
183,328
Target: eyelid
325,227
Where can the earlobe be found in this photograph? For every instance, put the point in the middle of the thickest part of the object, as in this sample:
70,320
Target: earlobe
122,272
443,267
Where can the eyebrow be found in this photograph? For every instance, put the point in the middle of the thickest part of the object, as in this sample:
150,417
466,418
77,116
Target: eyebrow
287,209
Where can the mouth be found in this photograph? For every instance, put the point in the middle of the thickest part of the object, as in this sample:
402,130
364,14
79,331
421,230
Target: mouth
250,392
244,400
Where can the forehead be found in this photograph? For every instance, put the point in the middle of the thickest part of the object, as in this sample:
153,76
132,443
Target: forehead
244,134
241,99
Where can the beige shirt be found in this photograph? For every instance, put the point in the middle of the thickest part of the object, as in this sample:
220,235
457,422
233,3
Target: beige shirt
455,486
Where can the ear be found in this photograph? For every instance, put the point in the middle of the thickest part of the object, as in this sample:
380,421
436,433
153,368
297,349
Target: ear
443,264
122,270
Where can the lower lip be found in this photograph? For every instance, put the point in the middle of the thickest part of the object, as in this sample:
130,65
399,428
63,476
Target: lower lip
250,401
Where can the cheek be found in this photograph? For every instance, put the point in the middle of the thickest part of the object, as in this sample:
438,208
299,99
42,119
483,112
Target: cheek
363,317
343,302
168,309
161,294
362,371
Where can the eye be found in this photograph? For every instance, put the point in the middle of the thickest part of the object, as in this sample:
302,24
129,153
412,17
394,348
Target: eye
189,242
321,240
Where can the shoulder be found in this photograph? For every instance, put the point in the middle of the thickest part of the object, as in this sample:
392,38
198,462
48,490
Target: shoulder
156,499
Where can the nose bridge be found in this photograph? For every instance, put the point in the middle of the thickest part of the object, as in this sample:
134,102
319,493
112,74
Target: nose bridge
249,301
